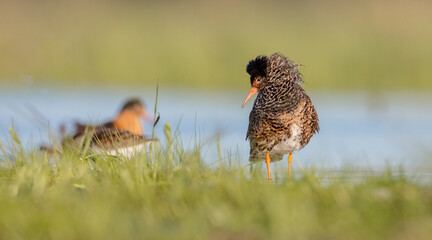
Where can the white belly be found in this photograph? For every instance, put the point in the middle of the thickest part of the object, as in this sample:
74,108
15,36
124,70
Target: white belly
127,152
291,144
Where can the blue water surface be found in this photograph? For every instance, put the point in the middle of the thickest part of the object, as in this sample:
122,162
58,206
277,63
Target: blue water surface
357,128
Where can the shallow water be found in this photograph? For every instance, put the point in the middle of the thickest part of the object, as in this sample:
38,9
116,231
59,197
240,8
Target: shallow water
357,129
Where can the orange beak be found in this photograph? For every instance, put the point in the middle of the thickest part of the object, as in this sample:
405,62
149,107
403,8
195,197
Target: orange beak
146,116
251,93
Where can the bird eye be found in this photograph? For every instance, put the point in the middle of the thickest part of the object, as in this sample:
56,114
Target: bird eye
258,80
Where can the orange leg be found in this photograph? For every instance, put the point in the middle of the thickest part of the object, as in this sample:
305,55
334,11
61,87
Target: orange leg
289,163
268,165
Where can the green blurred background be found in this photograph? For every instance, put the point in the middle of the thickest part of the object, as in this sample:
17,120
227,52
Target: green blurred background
343,45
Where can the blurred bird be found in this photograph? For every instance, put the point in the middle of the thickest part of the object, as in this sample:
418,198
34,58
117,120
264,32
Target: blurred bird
122,136
128,119
282,119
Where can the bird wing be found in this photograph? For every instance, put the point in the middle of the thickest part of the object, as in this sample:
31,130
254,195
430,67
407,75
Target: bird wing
116,138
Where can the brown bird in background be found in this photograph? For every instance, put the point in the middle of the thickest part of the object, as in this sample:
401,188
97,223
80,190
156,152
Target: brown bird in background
122,136
282,119
129,119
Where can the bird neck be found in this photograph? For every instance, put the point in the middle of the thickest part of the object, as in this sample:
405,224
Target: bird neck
277,89
128,120
281,96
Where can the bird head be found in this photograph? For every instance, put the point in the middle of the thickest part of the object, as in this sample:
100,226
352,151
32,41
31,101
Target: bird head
130,115
267,71
257,69
137,107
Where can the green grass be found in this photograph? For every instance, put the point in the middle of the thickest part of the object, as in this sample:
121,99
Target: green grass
170,193
369,45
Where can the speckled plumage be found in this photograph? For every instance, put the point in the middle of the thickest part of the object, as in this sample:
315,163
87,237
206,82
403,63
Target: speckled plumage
283,118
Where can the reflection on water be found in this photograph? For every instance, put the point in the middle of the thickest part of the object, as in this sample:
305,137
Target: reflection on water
357,129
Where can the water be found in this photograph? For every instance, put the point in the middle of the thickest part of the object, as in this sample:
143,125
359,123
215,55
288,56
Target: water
357,129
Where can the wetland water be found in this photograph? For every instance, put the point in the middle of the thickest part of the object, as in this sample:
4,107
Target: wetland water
357,129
